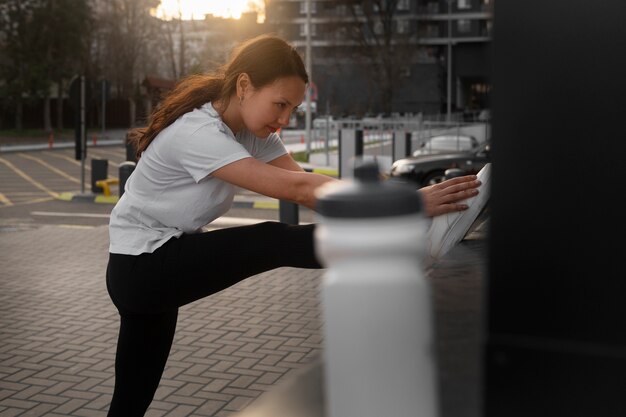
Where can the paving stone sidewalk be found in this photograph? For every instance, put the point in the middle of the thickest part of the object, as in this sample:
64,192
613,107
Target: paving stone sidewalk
58,332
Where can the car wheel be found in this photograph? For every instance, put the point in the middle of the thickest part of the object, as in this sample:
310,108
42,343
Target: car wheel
434,177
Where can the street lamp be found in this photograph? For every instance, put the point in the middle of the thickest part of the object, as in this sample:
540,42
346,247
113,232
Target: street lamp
449,61
308,70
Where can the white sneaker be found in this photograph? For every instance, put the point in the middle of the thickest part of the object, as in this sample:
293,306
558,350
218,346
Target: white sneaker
449,229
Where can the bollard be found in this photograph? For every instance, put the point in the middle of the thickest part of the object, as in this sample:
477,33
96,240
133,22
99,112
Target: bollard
99,171
288,212
401,144
350,147
126,168
131,154
378,332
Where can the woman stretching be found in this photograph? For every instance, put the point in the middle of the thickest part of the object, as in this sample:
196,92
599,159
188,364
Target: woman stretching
211,134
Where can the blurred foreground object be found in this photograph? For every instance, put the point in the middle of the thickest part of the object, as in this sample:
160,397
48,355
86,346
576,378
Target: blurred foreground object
377,306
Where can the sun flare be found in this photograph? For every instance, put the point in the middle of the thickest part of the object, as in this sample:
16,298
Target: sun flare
196,9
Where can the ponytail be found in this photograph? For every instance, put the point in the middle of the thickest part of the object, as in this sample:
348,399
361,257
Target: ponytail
188,94
265,59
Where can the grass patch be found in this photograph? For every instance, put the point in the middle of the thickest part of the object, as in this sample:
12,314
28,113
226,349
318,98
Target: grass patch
300,156
303,157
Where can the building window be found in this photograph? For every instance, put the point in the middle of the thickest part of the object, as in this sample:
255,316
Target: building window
342,10
403,5
464,4
303,29
403,26
341,33
432,8
303,7
432,31
464,25
378,27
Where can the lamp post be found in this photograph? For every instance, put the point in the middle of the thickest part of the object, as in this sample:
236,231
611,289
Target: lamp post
449,84
308,70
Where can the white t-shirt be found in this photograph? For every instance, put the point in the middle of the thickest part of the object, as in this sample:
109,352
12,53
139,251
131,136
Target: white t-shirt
171,191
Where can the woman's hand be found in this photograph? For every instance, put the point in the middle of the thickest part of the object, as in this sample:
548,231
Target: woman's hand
447,196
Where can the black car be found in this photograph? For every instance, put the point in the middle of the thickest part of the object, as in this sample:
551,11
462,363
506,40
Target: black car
431,169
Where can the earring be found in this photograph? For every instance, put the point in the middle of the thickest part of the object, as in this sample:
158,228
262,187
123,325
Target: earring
240,100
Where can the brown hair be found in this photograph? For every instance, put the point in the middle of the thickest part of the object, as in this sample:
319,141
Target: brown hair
264,58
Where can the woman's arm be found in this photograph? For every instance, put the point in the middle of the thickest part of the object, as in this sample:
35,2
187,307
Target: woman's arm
286,162
284,179
273,181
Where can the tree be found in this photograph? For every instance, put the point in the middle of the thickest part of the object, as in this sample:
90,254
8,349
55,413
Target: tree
43,42
374,35
63,31
172,32
20,71
122,47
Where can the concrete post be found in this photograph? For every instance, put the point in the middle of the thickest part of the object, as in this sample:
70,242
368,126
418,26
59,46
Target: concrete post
401,144
350,146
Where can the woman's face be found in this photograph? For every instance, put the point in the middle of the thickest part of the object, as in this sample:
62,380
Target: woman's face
267,109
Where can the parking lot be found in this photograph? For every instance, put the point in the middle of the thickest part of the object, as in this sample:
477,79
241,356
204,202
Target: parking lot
36,188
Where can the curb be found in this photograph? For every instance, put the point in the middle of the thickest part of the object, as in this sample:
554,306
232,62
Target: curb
113,199
94,198
59,145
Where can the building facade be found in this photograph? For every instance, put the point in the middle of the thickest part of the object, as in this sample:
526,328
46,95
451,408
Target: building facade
416,29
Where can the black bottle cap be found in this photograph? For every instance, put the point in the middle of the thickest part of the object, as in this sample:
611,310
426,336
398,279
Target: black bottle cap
367,196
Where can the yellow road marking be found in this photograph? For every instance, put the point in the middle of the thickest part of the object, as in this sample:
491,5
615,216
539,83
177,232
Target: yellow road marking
65,196
67,158
74,226
28,178
99,156
50,167
62,214
5,200
24,193
74,161
38,200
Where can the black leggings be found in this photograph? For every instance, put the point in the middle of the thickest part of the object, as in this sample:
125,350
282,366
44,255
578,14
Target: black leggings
148,289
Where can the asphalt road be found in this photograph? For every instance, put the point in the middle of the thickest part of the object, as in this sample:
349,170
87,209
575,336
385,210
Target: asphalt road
31,183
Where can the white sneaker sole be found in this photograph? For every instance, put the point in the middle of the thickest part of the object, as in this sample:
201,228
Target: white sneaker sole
449,229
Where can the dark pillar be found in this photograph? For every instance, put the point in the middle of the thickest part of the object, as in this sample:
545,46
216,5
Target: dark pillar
556,324
126,168
130,150
99,171
288,212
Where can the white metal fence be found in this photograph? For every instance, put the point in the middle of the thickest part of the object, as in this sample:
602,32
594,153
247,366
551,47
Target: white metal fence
325,130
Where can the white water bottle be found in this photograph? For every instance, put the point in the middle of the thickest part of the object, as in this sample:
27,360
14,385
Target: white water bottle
379,354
